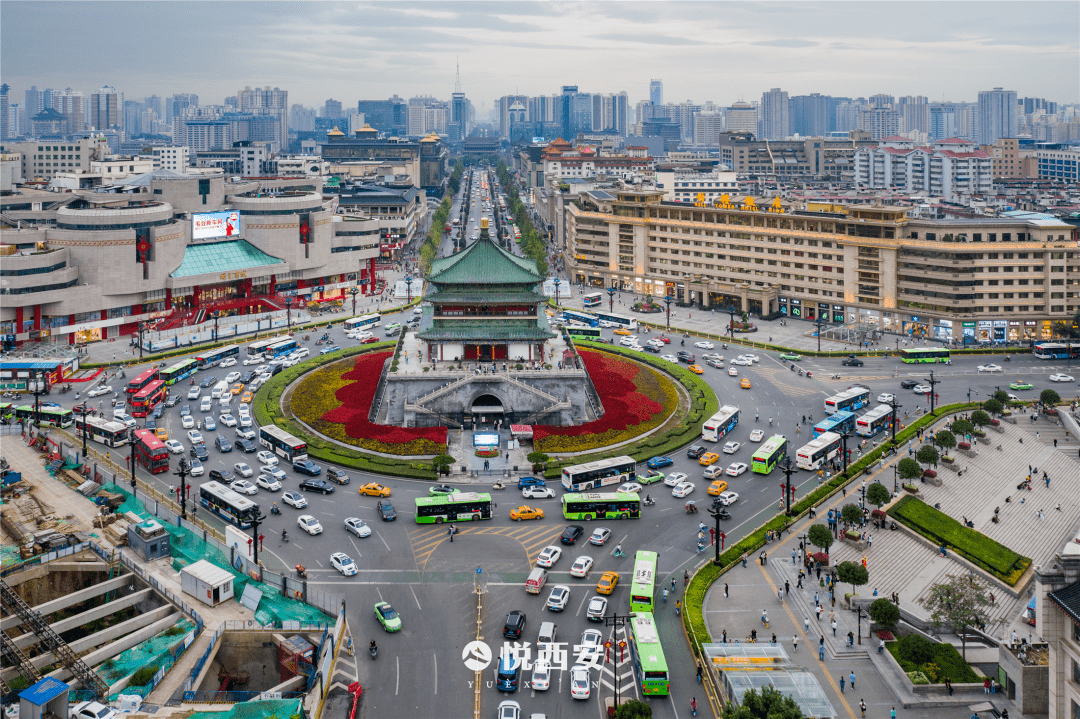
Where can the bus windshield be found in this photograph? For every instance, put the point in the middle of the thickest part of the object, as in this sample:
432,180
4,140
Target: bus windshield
771,453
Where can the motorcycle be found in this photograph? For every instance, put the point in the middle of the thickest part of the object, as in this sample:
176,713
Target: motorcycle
301,571
1007,358
374,650
836,376
498,485
275,510
123,373
649,501
306,337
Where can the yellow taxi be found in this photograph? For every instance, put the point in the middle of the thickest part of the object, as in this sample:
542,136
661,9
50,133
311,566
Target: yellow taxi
237,388
608,582
622,331
708,458
374,489
247,397
744,383
524,512
696,369
162,433
717,487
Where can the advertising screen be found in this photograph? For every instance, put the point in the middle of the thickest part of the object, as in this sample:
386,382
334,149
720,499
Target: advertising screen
208,225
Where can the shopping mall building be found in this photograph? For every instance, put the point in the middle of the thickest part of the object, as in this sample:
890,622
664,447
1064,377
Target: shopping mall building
176,249
980,280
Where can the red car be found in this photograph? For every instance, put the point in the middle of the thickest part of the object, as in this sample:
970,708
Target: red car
369,340
665,340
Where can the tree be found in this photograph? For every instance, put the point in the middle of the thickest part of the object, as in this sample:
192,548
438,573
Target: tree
851,513
633,709
820,536
441,463
768,704
927,454
945,439
884,613
1049,397
852,573
960,603
877,494
962,426
993,406
909,468
980,418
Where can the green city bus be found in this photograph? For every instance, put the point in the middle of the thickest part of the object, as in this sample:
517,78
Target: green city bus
456,507
770,454
649,662
643,584
50,416
583,333
181,370
924,354
601,505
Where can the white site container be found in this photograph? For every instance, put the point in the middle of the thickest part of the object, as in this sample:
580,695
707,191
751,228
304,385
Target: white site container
207,582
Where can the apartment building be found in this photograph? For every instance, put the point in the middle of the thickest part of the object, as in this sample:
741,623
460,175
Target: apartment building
810,157
687,185
563,160
45,159
948,168
978,279
171,157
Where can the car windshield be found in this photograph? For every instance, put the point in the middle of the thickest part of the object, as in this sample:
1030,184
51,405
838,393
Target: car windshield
387,611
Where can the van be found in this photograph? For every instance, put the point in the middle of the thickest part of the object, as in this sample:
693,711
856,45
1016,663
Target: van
219,389
536,581
206,404
547,633
508,673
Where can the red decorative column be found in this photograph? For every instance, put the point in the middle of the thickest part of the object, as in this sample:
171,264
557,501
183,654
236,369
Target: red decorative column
37,317
104,329
136,309
18,320
195,296
168,299
273,284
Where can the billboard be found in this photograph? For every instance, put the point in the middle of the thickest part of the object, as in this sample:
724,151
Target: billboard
209,225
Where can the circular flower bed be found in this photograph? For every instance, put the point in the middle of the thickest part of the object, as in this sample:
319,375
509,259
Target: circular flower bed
647,306
335,401
487,453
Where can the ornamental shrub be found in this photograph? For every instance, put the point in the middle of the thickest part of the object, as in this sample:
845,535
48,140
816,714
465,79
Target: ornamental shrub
916,649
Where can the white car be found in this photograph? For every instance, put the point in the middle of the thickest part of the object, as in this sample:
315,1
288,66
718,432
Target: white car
705,345
682,489
732,372
579,682
273,471
195,468
194,392
228,362
195,436
267,458
990,368
921,389
629,488
294,499
243,469
227,419
735,469
245,433
257,359
343,563
508,709
627,341
92,710
537,492
357,526
541,675
742,361
418,310
265,481
309,524
245,420
886,398
187,421
548,556
232,377
675,478
728,498
670,358
581,567
559,598
757,435
591,643
244,487
209,423
1061,378
597,609
174,446
731,447
302,352
599,536
98,391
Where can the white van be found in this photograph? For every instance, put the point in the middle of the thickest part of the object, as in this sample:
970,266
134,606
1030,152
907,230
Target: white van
206,404
220,389
536,581
547,633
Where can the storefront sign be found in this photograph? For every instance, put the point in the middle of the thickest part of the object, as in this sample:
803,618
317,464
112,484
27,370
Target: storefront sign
983,330
234,275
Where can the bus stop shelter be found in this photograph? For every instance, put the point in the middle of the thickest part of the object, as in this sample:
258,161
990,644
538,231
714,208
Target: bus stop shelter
742,667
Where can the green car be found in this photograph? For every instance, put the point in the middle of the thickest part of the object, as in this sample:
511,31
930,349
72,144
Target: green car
792,357
1020,385
650,478
387,617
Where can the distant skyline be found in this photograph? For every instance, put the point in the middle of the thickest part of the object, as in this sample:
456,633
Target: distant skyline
703,51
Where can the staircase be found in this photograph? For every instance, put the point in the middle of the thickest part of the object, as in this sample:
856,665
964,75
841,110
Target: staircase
89,679
435,393
16,658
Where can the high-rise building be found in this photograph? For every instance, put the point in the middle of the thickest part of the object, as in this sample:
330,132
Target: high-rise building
997,115
742,117
267,102
107,109
880,121
575,112
847,117
708,127
332,108
881,100
942,121
390,117
775,115
609,113
656,92
36,101
914,114
301,119
72,105
175,105
16,127
459,117
153,102
512,112
5,112
810,115
967,120
683,113
133,117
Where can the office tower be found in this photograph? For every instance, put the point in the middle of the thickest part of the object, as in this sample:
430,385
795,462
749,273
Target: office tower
15,121
810,115
656,92
880,121
683,113
575,112
5,112
775,115
133,117
107,109
273,102
153,102
176,104
847,117
301,119
997,115
881,100
742,117
332,108
72,105
387,116
914,113
36,101
512,113
708,126
942,121
1037,105
967,120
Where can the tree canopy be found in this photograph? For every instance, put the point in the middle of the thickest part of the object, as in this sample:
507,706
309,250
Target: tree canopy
1049,397
878,494
909,468
945,439
852,573
980,418
768,704
962,426
633,709
820,536
993,406
851,513
885,613
959,603
927,454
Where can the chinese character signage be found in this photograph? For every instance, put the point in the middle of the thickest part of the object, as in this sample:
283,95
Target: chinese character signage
210,225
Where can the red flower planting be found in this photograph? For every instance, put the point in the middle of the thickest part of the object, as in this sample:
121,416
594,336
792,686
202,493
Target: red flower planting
624,405
356,400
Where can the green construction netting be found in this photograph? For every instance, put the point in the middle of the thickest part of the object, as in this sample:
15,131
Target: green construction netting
152,653
189,547
9,555
268,709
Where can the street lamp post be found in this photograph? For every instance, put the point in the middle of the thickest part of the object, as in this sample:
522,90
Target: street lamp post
788,469
611,298
667,301
143,326
731,323
844,436
616,620
288,313
131,441
84,410
354,292
35,376
895,476
217,315
819,323
715,514
408,287
933,395
895,407
258,519
557,283
182,488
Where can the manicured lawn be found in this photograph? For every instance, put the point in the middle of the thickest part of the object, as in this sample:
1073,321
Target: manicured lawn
948,661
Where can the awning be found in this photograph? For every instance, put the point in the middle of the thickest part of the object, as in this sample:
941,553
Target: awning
521,431
234,259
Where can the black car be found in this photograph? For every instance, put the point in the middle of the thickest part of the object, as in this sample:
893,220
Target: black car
337,475
515,624
908,383
208,382
185,410
316,485
223,444
852,362
651,348
687,357
386,511
225,476
571,534
306,466
695,452
198,451
172,400
247,445
150,423
247,376
158,411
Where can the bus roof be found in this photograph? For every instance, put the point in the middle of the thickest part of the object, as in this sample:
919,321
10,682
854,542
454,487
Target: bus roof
908,350
882,410
150,388
106,424
149,439
644,628
726,412
144,375
278,433
599,464
235,498
282,341
599,496
771,445
822,440
454,497
219,350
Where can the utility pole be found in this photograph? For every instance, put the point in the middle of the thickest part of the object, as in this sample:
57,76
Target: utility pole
142,328
182,488
611,301
35,377
667,301
788,469
616,620
84,418
258,519
715,514
933,395
844,436
819,324
557,283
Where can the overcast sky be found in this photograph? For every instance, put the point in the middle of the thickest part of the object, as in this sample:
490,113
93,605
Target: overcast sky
703,51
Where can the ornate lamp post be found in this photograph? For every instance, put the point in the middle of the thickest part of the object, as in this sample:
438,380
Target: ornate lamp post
354,291
611,298
895,407
667,301
557,283
933,395
731,323
182,488
288,312
819,322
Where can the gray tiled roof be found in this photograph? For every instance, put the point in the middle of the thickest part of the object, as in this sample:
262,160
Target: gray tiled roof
1068,598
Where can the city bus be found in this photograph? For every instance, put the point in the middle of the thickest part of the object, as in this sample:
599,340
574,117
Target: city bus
136,385
580,317
213,358
1057,350
643,584
46,416
229,505
769,454
851,399
456,507
583,333
7,410
924,354
282,347
151,452
363,322
282,443
592,300
874,421
649,663
601,505
179,371
628,323
151,396
258,348
590,475
720,424
818,451
837,422
105,431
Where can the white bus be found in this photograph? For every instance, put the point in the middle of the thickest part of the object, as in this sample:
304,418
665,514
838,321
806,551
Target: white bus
720,424
851,400
628,323
874,421
227,504
364,322
282,443
592,300
281,347
105,431
258,348
818,451
591,475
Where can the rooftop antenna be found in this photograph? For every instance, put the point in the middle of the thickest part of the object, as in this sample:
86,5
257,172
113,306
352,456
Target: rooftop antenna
457,82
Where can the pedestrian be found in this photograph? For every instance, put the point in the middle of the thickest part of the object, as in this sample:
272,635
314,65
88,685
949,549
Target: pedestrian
986,685
806,624
693,706
841,685
892,713
787,587
862,706
725,590
451,533
794,643
869,540
699,671
821,652
817,600
743,560
948,685
833,627
673,585
852,678
818,610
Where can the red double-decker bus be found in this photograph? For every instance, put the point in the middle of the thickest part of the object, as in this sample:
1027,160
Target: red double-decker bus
149,397
151,452
139,383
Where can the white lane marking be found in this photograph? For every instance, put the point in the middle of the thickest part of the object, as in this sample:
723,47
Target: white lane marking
415,599
353,542
397,682
435,661
380,595
383,541
582,605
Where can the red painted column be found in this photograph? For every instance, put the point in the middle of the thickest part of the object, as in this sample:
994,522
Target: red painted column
37,317
273,284
18,320
195,296
136,309
104,330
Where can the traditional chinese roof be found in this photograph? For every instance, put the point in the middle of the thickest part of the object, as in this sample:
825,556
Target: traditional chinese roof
483,263
465,330
335,132
1068,600
222,257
